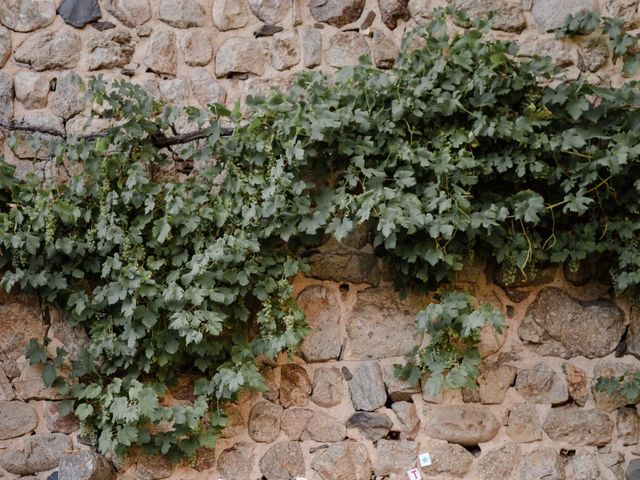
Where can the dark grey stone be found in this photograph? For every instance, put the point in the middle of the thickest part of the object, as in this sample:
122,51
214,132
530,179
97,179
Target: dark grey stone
633,470
267,31
373,425
79,12
102,26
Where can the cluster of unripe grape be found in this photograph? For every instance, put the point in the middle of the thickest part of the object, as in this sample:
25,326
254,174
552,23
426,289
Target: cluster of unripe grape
50,227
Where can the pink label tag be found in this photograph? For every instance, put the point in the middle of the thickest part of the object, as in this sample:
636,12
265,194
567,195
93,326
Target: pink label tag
414,474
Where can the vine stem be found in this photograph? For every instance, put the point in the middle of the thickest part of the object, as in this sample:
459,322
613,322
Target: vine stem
592,189
159,141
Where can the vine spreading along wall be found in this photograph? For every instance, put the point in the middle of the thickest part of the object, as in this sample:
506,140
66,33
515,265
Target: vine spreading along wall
463,149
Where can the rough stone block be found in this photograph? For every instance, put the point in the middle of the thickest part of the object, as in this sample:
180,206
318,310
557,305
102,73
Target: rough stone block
85,466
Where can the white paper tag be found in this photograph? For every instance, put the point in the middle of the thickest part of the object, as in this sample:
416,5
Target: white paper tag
300,478
414,474
425,459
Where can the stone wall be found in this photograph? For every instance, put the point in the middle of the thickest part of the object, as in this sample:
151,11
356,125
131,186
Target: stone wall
337,412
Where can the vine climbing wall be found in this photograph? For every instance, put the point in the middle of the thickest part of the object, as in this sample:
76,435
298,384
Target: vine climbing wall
335,411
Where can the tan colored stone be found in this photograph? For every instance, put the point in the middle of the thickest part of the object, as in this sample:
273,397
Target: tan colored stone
235,422
393,10
270,11
524,424
51,50
406,413
57,423
560,53
282,461
327,387
272,380
397,388
32,89
130,12
264,421
6,390
345,48
5,46
394,457
182,13
230,14
85,465
70,96
24,150
448,459
574,426
614,462
595,52
29,386
27,15
237,461
384,49
40,453
420,10
628,426
240,55
311,40
174,91
499,463
16,419
154,467
345,266
285,52
509,14
491,340
337,12
463,424
577,383
584,466
295,386
110,49
294,423
205,459
494,381
626,10
542,464
162,53
551,14
381,325
196,48
205,88
324,428
556,324
343,461
540,384
322,312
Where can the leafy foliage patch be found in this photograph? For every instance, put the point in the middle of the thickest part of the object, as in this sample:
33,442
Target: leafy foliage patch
463,150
